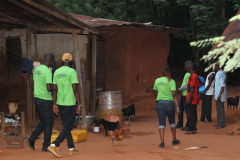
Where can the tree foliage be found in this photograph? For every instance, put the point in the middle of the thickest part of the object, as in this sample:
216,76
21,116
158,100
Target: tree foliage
228,53
201,19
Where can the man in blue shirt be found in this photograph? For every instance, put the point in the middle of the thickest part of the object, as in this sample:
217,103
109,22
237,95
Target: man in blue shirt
220,96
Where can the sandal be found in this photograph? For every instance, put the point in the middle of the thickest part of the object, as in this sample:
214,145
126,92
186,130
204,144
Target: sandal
215,125
191,132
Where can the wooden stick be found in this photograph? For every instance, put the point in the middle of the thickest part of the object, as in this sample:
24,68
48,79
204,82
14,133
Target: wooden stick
94,70
23,126
29,79
2,124
80,87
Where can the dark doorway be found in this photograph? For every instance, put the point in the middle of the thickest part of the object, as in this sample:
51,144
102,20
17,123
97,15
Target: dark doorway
101,64
14,60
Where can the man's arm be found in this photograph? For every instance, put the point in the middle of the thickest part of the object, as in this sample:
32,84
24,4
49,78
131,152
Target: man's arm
54,95
210,78
223,85
77,96
155,93
49,87
183,87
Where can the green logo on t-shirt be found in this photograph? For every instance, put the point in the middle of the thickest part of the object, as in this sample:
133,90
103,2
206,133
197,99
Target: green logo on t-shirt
38,72
63,75
162,84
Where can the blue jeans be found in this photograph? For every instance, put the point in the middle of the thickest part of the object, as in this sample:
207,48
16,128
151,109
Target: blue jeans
68,118
183,107
46,115
165,108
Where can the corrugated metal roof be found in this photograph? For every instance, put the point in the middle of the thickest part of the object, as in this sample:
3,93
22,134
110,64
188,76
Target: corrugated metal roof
101,22
38,13
232,31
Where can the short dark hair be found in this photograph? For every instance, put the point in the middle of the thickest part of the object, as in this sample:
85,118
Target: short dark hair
188,61
49,56
168,69
190,65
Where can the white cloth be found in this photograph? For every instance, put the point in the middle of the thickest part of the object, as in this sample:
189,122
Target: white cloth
35,65
210,91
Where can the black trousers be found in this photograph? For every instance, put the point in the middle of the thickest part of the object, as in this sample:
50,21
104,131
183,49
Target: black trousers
207,108
68,118
192,117
183,107
46,115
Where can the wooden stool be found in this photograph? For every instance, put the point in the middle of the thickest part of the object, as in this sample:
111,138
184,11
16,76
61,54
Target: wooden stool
15,141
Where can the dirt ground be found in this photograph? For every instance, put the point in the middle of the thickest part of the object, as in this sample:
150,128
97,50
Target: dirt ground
143,140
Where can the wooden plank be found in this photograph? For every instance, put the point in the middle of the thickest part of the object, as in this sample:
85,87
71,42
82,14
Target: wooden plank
2,124
80,87
29,79
23,127
59,30
94,71
35,58
36,12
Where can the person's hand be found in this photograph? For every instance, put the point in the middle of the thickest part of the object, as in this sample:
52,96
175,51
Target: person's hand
180,93
79,108
202,94
219,99
55,109
178,111
188,101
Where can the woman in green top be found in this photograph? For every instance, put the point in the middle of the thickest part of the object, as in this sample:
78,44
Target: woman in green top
166,97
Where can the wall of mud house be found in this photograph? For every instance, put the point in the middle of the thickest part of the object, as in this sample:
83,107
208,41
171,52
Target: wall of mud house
135,58
58,44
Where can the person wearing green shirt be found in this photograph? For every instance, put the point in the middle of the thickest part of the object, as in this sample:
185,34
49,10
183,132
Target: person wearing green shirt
165,93
42,77
182,102
65,96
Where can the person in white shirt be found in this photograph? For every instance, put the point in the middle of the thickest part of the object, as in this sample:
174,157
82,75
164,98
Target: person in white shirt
207,101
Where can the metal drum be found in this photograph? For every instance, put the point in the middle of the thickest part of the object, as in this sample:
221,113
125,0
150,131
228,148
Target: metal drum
110,106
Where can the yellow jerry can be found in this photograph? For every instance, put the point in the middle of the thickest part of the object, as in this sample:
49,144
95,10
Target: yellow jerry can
54,136
79,135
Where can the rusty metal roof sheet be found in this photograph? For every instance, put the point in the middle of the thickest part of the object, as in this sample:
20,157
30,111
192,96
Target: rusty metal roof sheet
101,22
232,31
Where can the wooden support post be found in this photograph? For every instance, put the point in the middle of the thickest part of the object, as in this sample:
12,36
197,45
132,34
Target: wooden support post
80,86
35,58
94,70
2,124
29,79
23,126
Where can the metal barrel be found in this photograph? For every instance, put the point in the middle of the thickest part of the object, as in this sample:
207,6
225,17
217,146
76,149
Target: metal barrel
110,106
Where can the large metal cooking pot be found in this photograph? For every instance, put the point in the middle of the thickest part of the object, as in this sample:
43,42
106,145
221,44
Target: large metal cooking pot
90,120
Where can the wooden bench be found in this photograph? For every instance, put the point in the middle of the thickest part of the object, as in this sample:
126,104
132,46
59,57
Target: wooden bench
15,141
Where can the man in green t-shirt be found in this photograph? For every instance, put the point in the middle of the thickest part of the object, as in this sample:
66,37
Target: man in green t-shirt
65,95
182,102
42,77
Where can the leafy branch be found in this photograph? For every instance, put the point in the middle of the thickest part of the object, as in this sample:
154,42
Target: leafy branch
224,51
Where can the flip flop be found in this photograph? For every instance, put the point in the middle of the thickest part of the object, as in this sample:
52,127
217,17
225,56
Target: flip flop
190,132
215,125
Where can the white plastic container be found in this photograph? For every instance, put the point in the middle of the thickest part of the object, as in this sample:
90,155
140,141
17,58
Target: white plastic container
96,129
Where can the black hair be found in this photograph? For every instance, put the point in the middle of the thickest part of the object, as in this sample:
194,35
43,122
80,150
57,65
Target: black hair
49,56
188,61
168,69
190,65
